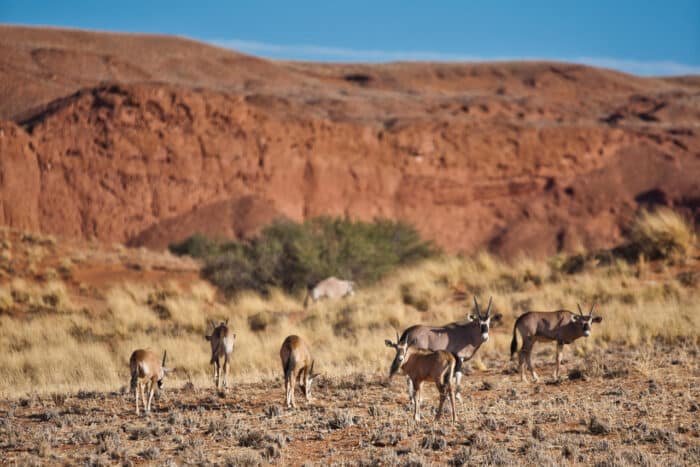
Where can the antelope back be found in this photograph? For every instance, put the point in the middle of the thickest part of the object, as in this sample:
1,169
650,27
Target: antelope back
296,349
146,362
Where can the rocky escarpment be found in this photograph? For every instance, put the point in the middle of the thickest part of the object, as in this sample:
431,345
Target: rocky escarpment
514,157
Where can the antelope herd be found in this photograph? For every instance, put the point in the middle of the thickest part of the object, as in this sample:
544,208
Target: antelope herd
423,353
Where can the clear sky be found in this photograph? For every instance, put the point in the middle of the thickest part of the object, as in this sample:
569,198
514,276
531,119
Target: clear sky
643,37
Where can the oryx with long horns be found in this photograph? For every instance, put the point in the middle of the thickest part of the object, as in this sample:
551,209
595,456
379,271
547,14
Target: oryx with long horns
562,326
460,339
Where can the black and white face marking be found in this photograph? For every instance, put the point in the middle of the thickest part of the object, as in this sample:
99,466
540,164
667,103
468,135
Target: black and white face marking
399,358
484,320
584,323
484,326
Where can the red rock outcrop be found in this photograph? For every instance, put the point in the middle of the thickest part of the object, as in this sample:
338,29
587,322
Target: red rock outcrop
515,157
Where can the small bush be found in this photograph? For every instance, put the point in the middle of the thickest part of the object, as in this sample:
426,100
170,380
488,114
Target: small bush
662,234
291,256
197,246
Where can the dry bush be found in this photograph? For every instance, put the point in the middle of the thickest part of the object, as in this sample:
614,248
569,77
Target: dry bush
662,234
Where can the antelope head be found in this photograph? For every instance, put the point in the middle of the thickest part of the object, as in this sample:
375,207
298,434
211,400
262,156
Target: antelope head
306,386
584,321
484,319
163,370
400,354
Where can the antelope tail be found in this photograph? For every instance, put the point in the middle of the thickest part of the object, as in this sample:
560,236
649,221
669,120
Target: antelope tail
289,368
514,342
134,379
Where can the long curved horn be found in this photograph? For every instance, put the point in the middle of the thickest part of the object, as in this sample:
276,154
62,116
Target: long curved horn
488,308
591,313
397,337
165,353
580,312
476,305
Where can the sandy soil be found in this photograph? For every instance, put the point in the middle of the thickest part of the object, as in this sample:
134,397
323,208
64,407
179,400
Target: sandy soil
622,407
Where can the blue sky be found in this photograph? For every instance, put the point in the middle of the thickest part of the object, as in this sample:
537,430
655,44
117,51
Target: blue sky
642,37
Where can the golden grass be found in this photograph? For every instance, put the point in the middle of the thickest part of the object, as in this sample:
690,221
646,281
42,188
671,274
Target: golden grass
663,233
74,350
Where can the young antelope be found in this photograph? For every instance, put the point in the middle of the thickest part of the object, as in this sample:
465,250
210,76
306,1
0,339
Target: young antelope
221,339
422,365
561,326
146,370
297,364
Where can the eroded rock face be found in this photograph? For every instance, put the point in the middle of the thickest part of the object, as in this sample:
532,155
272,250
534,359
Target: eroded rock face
512,157
19,179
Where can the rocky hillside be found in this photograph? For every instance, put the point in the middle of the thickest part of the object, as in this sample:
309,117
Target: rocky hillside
147,139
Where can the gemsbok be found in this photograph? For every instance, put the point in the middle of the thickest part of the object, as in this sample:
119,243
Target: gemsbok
221,339
421,365
562,326
331,287
145,365
462,340
297,364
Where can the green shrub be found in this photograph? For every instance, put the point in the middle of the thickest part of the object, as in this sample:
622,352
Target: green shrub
197,246
291,256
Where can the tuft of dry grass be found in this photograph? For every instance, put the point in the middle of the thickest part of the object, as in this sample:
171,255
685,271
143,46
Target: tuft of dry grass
662,234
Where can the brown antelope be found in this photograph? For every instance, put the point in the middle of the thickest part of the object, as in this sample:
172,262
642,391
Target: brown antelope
331,287
145,365
221,339
297,364
421,365
562,326
462,340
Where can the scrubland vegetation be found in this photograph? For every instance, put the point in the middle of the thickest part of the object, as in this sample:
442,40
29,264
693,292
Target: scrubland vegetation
61,339
290,256
54,340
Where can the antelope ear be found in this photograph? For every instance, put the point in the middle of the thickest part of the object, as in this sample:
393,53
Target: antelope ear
574,318
389,343
597,319
496,318
470,317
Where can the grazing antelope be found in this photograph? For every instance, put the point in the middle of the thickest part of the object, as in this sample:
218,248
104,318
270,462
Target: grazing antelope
562,326
462,340
421,365
297,364
221,339
144,365
329,288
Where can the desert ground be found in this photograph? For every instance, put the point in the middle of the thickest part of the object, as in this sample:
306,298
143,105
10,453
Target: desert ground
617,407
72,312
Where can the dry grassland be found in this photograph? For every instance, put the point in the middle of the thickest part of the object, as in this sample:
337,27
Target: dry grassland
66,342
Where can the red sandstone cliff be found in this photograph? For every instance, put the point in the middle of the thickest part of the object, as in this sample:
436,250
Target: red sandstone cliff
146,139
